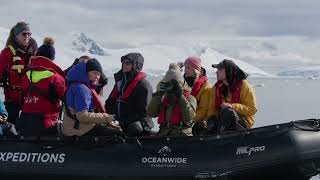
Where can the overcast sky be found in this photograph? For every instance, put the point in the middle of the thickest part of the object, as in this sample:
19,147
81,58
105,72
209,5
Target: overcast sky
269,31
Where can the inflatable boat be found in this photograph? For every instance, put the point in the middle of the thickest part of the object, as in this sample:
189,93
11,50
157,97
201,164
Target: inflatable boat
283,151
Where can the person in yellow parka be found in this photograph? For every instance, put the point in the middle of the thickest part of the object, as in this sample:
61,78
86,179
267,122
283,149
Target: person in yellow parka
197,80
233,103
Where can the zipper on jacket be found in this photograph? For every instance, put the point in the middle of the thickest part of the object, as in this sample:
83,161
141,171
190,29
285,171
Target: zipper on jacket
122,91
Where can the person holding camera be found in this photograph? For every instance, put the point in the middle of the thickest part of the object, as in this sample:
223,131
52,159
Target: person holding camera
173,104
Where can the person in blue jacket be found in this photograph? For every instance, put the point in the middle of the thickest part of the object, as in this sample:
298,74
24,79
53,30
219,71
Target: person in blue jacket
5,126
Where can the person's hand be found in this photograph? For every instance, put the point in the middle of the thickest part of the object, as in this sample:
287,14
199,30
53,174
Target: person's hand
177,88
3,119
161,87
226,105
114,125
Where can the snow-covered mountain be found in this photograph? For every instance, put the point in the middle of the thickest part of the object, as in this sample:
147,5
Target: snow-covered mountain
157,56
84,44
303,72
210,56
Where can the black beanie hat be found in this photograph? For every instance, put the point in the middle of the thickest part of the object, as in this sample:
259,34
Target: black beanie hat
93,65
47,50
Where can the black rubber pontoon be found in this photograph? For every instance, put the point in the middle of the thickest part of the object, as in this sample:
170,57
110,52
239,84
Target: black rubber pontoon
283,151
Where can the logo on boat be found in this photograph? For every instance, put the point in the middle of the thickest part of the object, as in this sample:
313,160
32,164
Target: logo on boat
32,157
164,161
165,150
249,150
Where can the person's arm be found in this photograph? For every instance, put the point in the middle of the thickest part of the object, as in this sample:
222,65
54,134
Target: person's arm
203,106
82,97
212,111
57,87
188,108
155,105
5,57
3,110
142,95
110,102
247,106
86,117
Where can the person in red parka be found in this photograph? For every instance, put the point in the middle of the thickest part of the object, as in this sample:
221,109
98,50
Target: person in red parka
20,47
43,88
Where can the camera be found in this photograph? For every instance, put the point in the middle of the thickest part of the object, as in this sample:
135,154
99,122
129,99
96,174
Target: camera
169,87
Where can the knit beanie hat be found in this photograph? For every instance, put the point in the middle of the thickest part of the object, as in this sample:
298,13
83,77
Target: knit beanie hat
47,50
194,62
174,72
93,65
20,27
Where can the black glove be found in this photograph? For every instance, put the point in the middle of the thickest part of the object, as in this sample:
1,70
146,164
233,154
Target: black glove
161,87
177,88
173,87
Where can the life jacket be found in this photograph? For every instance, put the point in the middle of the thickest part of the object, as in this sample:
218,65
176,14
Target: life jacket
235,95
176,112
115,94
99,108
197,85
17,64
42,74
11,79
48,69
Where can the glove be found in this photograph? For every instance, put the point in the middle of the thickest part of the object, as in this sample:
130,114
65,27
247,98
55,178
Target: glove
161,87
177,88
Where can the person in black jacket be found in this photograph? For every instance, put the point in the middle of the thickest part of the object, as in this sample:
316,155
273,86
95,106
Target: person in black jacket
130,96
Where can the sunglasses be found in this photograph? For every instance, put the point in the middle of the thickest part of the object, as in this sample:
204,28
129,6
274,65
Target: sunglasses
26,34
126,62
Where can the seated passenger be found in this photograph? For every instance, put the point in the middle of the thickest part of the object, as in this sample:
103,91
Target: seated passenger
196,78
43,89
173,104
84,113
103,78
130,96
5,127
233,102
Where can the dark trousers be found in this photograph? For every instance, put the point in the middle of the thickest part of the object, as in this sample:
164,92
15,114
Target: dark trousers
100,130
31,124
13,110
133,129
227,120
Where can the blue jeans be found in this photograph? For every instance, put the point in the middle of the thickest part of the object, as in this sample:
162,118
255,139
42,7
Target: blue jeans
4,128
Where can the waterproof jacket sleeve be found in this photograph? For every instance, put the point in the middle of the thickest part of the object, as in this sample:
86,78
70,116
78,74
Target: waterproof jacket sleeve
86,117
4,60
80,101
154,107
59,85
188,108
203,105
142,96
110,102
212,111
3,109
248,106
